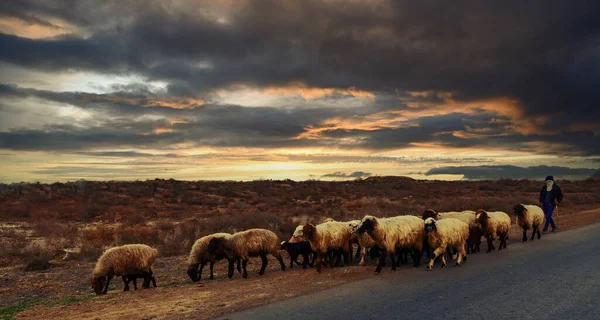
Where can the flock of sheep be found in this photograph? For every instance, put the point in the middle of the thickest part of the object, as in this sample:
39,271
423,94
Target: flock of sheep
327,243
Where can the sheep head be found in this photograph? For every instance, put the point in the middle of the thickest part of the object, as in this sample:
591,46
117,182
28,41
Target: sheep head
430,225
353,226
482,217
284,245
519,210
309,230
193,273
98,284
367,224
430,213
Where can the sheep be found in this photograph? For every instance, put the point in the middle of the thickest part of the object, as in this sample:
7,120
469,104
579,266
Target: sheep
199,256
494,224
529,217
467,216
131,261
393,234
365,242
328,236
294,249
133,278
245,244
298,235
444,233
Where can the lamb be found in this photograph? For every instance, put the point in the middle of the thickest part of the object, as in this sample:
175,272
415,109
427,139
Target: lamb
246,244
365,242
467,216
328,236
294,249
529,217
494,224
130,261
394,234
199,256
444,233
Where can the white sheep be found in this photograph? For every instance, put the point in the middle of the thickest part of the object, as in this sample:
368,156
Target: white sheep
529,217
468,217
130,261
494,225
365,242
199,257
328,237
394,235
448,232
245,244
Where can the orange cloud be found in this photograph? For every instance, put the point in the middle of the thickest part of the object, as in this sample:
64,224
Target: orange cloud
18,27
311,93
169,102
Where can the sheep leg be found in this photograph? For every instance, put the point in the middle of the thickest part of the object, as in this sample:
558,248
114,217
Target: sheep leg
524,235
245,273
319,261
292,258
490,242
239,266
107,283
533,232
363,253
382,256
314,257
394,260
305,260
538,233
126,283
347,256
277,255
359,251
462,255
437,252
211,265
134,283
230,268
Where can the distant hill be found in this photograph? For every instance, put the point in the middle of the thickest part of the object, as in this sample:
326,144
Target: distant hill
596,175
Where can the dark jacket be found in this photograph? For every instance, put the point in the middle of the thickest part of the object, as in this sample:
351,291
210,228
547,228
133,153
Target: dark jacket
555,194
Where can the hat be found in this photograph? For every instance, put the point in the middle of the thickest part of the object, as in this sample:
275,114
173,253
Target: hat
549,178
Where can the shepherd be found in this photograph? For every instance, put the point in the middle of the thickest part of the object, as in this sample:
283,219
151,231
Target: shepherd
550,197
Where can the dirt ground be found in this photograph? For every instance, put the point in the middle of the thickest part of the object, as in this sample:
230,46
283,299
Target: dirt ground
178,298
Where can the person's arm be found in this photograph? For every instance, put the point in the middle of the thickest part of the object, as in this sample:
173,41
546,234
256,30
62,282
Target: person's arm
559,195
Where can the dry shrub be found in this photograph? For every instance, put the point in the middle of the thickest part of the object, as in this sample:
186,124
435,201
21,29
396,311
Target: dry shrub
100,235
137,234
89,210
37,264
54,229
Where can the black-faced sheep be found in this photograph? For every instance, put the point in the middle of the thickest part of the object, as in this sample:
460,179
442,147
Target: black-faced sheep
364,241
199,257
468,217
393,234
445,233
328,236
529,217
295,249
246,244
494,225
131,260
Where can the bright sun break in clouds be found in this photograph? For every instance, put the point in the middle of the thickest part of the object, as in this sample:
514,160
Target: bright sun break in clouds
188,90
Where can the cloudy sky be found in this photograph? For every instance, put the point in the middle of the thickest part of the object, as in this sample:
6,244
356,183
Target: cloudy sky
298,89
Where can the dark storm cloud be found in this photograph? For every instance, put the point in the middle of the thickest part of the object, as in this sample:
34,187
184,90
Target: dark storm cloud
544,55
514,172
356,174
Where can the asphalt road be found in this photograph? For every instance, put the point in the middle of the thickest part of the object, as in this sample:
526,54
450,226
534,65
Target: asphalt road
555,278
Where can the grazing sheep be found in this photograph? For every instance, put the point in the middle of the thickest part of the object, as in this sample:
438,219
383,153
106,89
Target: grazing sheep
529,217
494,224
365,242
130,260
393,234
468,217
294,249
199,256
245,244
328,236
445,233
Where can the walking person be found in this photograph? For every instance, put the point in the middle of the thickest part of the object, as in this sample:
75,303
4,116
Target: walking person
550,197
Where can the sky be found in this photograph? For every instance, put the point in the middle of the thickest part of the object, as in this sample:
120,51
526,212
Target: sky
245,90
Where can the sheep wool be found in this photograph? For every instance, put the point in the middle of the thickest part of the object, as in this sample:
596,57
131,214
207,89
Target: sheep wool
126,259
529,217
443,233
326,236
494,225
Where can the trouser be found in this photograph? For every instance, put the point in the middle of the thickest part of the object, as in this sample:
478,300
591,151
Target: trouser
548,211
